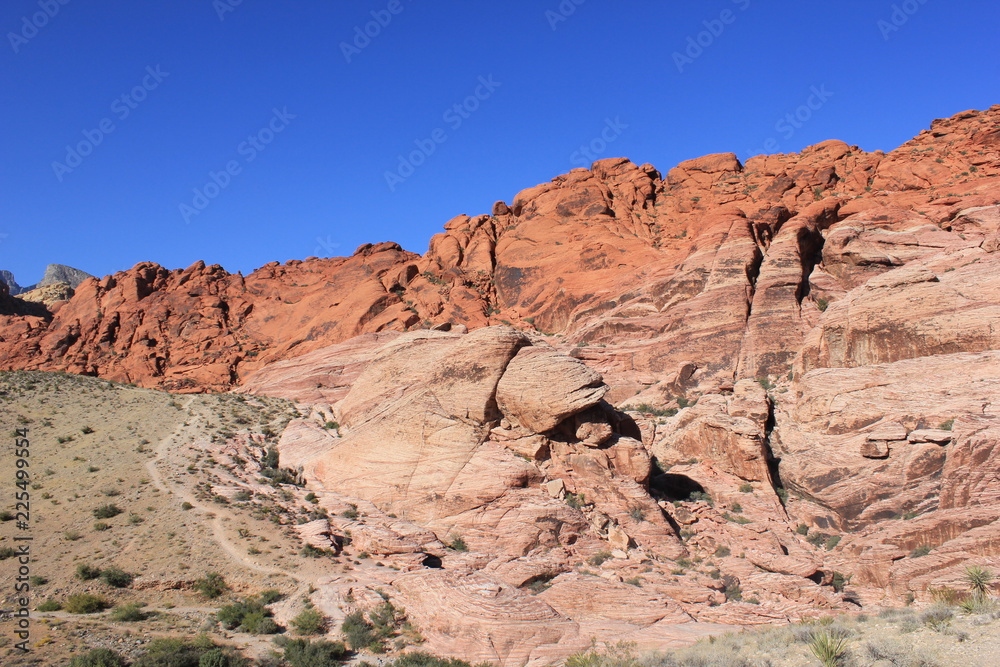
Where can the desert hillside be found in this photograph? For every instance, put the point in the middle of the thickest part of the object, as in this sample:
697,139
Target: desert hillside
625,406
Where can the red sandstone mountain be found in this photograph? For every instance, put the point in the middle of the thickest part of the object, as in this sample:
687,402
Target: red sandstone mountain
825,322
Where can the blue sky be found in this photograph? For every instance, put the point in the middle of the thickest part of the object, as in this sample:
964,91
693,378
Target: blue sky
300,116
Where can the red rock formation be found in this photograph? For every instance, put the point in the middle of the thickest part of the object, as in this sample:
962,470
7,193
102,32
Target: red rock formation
825,322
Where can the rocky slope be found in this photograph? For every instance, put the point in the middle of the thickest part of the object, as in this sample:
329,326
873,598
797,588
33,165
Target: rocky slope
803,351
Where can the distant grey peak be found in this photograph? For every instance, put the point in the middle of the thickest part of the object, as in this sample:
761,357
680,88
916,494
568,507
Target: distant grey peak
60,273
8,278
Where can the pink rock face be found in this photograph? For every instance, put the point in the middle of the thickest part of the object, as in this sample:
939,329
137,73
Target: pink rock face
811,339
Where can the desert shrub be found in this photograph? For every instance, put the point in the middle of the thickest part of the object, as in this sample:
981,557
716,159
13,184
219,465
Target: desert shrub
86,571
979,580
128,613
733,590
920,551
174,652
98,657
117,577
722,551
937,617
212,585
622,654
186,506
746,487
270,595
358,631
458,544
85,603
802,529
422,659
220,657
309,622
250,615
107,511
304,653
648,409
828,648
49,605
599,558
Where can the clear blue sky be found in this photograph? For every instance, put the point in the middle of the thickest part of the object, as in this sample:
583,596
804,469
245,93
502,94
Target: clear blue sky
320,186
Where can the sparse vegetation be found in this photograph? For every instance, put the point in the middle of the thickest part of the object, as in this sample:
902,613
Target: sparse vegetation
85,603
211,585
107,511
309,622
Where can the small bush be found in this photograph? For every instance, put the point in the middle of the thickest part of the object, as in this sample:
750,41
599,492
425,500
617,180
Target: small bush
86,571
746,488
101,526
128,613
186,506
107,511
211,585
458,544
637,514
920,551
303,653
98,657
828,648
49,605
722,551
309,622
358,631
937,617
85,603
250,615
174,652
117,577
422,659
802,529
599,558
947,426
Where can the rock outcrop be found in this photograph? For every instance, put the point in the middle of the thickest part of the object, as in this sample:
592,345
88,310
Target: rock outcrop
803,351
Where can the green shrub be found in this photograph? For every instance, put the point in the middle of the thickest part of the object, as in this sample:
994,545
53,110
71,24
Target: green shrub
746,488
85,603
186,506
86,571
98,657
422,659
828,648
358,631
49,605
458,544
937,617
128,613
250,615
212,585
947,426
722,551
303,653
107,511
117,577
309,622
173,652
920,551
220,657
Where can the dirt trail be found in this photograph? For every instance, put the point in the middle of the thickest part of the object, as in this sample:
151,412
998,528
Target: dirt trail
217,514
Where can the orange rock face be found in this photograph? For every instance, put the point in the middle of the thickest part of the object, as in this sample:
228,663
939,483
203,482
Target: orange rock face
809,342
